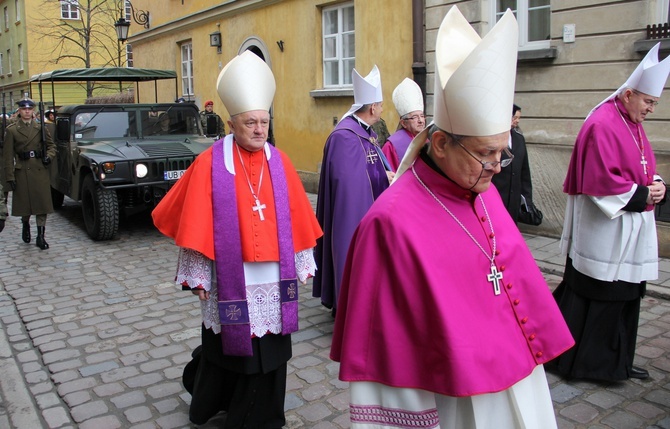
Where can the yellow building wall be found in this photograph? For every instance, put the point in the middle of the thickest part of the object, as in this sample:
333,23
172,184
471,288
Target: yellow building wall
301,122
39,18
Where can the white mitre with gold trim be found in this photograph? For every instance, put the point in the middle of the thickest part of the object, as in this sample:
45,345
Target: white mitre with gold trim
474,80
407,97
367,90
246,83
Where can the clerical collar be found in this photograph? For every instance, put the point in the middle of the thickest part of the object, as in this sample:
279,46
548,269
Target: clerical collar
430,163
361,122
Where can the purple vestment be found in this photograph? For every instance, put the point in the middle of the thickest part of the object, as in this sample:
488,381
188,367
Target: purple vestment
396,146
352,177
416,308
606,158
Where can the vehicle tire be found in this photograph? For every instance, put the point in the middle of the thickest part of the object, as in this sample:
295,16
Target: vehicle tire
100,208
57,199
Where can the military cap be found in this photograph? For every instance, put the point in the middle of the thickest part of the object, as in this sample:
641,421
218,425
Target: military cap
26,103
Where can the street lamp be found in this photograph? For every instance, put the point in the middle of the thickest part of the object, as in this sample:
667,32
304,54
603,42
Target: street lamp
122,26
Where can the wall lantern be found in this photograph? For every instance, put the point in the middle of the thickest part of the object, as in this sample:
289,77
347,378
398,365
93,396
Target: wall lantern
122,26
215,41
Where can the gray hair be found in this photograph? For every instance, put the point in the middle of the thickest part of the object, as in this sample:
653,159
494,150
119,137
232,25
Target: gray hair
454,139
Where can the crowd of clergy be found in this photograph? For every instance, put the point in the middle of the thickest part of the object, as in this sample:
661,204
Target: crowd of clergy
412,249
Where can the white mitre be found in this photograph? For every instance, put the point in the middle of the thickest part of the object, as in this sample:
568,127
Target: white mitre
367,90
648,77
474,80
246,83
407,97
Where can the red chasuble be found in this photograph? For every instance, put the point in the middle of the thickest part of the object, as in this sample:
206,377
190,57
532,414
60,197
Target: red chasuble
185,213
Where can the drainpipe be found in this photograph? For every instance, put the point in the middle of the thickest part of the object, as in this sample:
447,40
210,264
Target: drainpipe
418,46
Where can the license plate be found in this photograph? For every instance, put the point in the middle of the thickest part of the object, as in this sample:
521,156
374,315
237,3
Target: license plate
173,175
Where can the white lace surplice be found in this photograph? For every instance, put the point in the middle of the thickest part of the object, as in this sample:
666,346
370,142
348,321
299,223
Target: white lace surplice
262,284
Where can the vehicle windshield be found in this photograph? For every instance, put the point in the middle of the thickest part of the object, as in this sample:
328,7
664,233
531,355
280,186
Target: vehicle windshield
105,125
172,121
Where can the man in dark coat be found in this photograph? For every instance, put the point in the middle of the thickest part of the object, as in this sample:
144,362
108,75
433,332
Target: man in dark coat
26,160
514,180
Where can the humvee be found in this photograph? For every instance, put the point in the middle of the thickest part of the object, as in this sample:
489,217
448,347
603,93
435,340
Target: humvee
120,159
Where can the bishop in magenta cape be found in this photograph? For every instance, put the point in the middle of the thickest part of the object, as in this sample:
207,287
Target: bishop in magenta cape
429,319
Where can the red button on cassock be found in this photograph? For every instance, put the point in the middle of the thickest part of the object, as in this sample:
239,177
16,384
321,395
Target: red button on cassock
531,337
524,320
516,302
538,354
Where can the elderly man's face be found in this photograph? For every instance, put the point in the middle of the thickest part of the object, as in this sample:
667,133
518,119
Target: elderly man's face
250,129
638,104
414,122
376,110
461,166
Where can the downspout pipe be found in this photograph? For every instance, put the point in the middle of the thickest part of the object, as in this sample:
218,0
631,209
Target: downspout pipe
419,46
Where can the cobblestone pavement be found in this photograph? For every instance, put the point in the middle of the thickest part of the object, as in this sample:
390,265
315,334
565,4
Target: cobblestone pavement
95,335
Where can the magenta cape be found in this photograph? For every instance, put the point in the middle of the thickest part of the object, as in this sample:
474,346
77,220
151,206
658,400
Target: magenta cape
605,159
416,309
396,146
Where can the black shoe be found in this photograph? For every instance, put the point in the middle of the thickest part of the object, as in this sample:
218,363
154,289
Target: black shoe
639,373
25,233
41,242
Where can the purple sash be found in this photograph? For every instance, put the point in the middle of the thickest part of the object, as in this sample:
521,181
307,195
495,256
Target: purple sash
233,309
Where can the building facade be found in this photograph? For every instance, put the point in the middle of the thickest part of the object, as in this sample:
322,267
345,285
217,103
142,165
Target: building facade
310,45
37,36
572,54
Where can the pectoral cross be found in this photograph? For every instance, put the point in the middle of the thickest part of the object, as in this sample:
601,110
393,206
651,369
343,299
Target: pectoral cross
495,278
259,208
643,161
372,156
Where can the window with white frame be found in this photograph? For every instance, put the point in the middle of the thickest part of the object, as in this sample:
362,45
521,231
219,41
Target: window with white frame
9,61
187,69
18,10
129,55
6,16
69,9
339,47
534,18
2,61
20,56
128,10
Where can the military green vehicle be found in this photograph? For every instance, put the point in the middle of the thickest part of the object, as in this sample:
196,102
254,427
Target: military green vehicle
120,159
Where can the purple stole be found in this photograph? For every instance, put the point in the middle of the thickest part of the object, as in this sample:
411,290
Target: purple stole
231,286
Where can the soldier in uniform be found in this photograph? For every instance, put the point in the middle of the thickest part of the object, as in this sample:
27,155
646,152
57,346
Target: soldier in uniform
26,157
208,115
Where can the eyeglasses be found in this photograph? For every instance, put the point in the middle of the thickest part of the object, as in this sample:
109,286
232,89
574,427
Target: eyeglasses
490,165
648,101
415,118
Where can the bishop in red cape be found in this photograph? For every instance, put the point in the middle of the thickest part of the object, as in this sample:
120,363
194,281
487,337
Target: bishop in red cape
246,230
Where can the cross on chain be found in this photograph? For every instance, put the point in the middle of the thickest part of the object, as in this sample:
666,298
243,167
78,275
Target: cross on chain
259,208
643,161
372,156
495,278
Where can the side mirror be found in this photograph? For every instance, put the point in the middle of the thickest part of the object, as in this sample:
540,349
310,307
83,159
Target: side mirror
63,129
